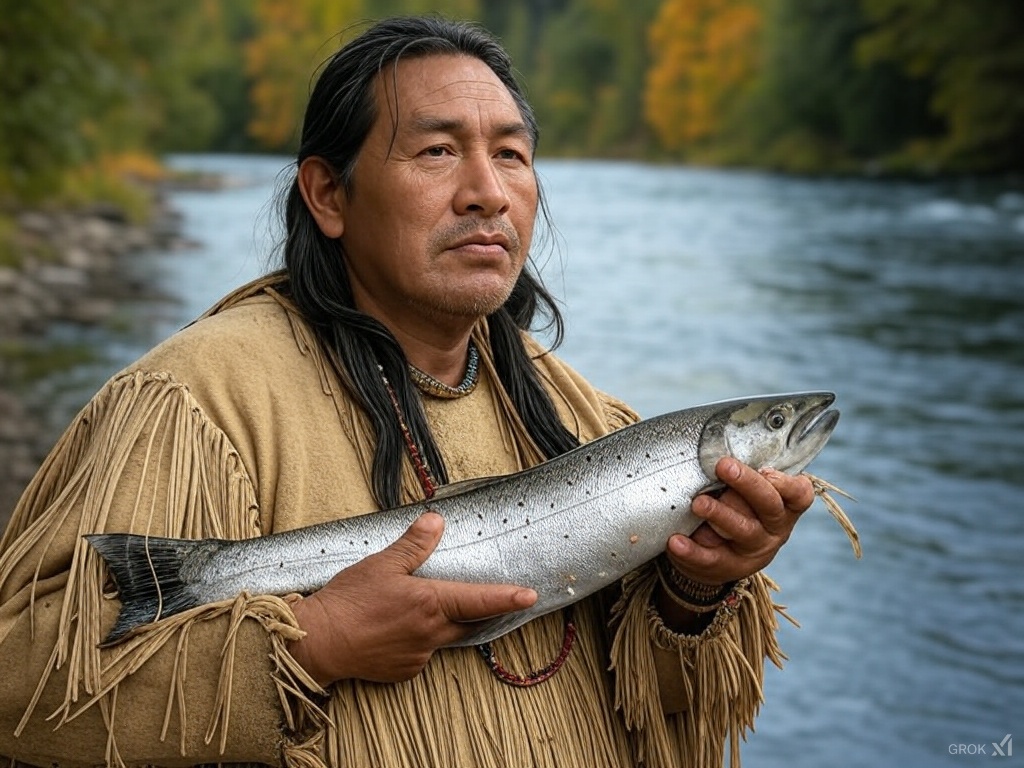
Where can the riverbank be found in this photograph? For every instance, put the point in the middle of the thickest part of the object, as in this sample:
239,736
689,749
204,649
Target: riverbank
63,266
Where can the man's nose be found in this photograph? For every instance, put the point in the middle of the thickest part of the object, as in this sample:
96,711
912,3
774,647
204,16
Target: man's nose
481,188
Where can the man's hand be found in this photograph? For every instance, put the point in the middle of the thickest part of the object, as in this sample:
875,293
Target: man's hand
744,528
376,621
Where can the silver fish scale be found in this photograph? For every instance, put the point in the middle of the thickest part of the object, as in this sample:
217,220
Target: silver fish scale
567,528
629,491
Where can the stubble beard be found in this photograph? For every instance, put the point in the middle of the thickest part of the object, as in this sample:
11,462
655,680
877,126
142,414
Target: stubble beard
475,304
469,304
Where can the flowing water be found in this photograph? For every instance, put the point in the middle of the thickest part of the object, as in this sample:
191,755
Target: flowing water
682,286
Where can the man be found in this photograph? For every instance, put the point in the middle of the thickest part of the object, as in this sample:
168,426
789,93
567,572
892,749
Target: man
387,357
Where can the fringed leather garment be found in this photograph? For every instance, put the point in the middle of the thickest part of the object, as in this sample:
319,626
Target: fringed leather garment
237,427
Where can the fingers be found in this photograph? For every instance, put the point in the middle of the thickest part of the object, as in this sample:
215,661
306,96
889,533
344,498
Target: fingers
463,602
769,496
458,601
375,620
730,518
709,565
744,527
417,543
706,536
796,491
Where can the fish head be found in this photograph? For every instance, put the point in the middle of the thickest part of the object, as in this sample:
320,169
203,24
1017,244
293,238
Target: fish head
781,431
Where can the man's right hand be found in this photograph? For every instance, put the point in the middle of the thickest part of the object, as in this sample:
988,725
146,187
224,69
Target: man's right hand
376,621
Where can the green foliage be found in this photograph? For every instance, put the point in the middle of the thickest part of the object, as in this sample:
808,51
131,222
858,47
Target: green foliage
586,77
87,78
52,77
814,106
838,85
89,184
27,363
9,252
973,56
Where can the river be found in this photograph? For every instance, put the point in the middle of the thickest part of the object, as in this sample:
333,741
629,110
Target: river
684,285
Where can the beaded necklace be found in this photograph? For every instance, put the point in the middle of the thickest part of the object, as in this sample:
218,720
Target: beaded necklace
428,385
429,489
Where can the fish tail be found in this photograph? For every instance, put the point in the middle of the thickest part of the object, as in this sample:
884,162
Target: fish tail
148,574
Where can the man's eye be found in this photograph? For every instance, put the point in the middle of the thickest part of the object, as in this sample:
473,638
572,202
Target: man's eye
509,154
435,151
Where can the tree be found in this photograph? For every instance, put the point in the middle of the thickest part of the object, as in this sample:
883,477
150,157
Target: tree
973,54
87,78
814,105
586,78
705,53
293,37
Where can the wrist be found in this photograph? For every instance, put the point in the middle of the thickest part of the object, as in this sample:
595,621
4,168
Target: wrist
689,594
307,611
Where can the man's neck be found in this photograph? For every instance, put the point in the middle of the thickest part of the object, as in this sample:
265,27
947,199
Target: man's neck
437,348
445,363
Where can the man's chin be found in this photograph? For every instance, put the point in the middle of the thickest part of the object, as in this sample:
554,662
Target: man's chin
476,302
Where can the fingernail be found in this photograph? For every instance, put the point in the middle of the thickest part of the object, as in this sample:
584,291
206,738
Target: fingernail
680,545
730,470
526,597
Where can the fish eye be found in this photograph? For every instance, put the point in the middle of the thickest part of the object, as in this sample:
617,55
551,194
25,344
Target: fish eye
776,419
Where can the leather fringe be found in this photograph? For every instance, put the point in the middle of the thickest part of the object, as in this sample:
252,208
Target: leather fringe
722,672
82,473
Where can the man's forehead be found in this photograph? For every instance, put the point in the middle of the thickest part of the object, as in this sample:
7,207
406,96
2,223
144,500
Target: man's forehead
424,84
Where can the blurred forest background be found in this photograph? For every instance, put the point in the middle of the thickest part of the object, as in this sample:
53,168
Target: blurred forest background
97,90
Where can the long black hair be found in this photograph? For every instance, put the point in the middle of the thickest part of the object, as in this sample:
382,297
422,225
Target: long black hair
341,111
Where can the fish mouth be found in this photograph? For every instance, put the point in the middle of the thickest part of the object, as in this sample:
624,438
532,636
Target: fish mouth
810,432
817,422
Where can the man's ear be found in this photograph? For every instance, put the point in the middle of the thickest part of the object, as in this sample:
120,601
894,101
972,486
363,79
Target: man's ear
325,197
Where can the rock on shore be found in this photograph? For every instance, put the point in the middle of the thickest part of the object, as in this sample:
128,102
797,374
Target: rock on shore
72,270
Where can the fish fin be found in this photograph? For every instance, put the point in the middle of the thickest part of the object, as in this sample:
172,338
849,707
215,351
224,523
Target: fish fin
453,489
147,571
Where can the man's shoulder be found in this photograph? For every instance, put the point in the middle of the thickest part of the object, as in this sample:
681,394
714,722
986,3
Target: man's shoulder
254,332
577,400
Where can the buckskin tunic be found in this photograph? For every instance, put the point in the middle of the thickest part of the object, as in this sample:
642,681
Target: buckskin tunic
237,427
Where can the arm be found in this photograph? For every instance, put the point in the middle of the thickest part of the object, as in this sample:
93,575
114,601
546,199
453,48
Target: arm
141,457
376,621
744,530
700,675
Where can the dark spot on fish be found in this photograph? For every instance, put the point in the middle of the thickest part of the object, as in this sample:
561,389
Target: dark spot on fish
323,551
525,536
647,455
586,458
527,521
522,504
479,516
618,457
366,542
664,490
504,521
552,505
280,565
479,533
614,554
566,536
673,507
629,474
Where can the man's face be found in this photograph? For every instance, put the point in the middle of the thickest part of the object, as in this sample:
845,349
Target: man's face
438,224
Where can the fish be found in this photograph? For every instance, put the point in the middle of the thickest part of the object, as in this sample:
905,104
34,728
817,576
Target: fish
567,527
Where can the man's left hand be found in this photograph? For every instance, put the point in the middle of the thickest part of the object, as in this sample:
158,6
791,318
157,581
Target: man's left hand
745,527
